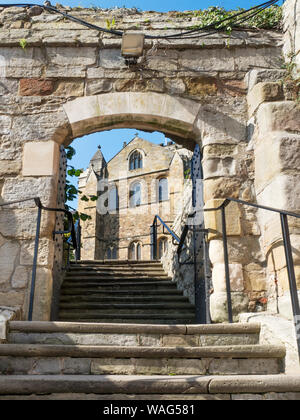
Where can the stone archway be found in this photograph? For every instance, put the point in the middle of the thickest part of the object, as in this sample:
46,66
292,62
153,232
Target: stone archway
176,117
171,115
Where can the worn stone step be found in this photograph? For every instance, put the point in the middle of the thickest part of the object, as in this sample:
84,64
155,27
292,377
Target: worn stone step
89,286
129,334
107,293
70,359
124,299
76,327
150,387
129,318
114,279
127,312
165,306
115,263
111,270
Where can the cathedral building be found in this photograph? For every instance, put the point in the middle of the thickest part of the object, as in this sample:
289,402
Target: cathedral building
142,180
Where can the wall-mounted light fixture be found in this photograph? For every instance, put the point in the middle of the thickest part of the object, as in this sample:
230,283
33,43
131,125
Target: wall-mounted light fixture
132,46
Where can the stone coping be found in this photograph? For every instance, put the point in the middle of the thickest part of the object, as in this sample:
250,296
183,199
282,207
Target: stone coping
84,351
182,384
84,327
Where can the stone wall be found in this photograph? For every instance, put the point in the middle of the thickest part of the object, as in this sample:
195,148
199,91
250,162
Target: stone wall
68,81
291,38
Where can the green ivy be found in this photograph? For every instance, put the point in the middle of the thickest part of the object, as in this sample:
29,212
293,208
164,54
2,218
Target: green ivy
71,192
270,18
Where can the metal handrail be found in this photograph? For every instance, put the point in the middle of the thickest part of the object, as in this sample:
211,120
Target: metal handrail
154,234
71,229
287,248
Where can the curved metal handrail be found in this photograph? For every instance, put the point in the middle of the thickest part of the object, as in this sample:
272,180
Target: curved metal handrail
71,229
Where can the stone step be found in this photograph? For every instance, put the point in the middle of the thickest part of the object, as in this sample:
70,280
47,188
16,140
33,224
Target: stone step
150,387
132,285
36,332
109,270
41,359
117,293
115,263
114,279
124,299
128,318
106,307
127,312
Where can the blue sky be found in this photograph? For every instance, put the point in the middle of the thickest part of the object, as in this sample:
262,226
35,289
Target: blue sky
158,5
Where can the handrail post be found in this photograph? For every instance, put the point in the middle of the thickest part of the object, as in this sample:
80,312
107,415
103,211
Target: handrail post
35,257
291,275
154,232
226,263
78,241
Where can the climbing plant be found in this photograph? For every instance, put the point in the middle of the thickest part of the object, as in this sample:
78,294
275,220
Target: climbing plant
71,191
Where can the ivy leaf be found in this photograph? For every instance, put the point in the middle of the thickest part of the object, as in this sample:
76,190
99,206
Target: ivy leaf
84,198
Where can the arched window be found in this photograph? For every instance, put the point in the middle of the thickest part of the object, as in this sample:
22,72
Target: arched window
111,252
135,251
162,246
135,161
135,195
113,199
163,192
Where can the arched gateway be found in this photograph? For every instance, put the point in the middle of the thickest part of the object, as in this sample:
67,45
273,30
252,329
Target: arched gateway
224,96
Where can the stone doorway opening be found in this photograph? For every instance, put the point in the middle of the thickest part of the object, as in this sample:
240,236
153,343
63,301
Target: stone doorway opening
142,179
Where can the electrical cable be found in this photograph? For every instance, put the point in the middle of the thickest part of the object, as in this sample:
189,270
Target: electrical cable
242,16
220,29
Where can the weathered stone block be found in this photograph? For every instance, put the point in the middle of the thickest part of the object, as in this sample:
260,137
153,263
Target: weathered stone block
263,92
20,278
43,295
35,87
41,158
3,331
112,366
21,224
255,278
201,86
236,277
23,62
45,255
283,278
276,256
213,219
278,116
218,306
69,89
111,59
10,167
8,254
255,76
286,189
5,124
94,87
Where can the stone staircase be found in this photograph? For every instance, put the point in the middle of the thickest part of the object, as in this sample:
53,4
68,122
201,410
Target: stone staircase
122,291
63,360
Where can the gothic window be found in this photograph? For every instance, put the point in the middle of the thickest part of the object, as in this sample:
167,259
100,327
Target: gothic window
111,252
135,195
113,199
163,193
135,251
162,246
135,161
